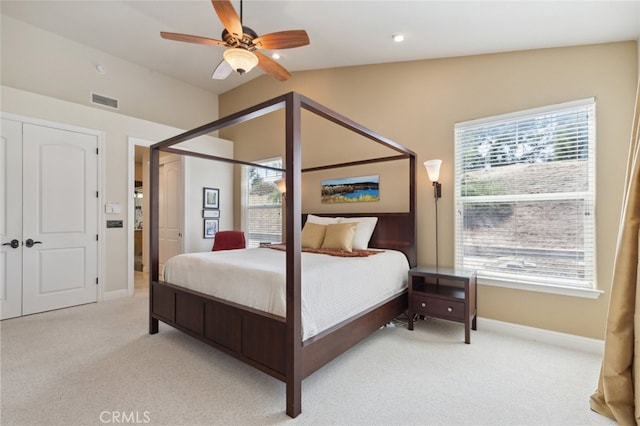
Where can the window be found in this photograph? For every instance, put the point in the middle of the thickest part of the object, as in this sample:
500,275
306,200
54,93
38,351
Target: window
525,196
263,203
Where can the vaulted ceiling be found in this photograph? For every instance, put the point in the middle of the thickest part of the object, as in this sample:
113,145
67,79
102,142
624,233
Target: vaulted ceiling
342,33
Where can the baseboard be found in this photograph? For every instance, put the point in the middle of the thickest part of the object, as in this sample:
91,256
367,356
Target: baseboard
116,294
569,341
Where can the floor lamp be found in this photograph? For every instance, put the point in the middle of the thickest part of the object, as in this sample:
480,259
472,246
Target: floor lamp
433,170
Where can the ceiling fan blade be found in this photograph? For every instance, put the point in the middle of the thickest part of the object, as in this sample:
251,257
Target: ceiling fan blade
192,39
222,71
229,17
271,67
282,40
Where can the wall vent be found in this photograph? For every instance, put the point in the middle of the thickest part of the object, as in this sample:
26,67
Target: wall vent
104,101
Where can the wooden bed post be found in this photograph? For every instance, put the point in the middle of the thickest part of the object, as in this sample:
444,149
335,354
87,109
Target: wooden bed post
413,258
153,227
293,211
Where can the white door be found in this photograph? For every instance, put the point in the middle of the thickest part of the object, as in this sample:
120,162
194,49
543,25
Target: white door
60,213
11,219
171,201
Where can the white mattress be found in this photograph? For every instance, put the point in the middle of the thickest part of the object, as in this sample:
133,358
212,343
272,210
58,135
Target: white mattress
333,288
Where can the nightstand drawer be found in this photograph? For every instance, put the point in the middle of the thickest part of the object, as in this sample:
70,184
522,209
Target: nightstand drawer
437,307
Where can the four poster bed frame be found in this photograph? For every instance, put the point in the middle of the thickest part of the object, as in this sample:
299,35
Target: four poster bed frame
271,343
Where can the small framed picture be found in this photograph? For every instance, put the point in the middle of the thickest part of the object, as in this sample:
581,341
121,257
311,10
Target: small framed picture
210,198
211,213
210,228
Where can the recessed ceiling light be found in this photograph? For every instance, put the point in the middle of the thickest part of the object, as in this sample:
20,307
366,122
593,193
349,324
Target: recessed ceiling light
275,56
398,38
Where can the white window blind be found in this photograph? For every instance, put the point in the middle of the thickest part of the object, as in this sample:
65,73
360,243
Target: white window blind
525,196
263,204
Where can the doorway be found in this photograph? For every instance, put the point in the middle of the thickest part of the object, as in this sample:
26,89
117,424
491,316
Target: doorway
140,238
171,212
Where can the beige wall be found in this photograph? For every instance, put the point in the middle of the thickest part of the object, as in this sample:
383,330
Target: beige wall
418,103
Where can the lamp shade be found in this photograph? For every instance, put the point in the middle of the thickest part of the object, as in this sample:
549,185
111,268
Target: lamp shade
240,60
282,185
433,169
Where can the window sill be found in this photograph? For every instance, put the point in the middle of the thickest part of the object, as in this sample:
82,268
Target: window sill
542,288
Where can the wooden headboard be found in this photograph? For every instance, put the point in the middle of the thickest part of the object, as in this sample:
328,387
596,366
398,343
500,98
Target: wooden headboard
394,231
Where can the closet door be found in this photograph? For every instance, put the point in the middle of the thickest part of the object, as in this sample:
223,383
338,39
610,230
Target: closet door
11,219
60,213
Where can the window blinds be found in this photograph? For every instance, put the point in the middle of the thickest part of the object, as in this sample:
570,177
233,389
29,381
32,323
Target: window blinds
263,206
525,194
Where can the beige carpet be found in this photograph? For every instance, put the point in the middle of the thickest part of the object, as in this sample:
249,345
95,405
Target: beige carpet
96,364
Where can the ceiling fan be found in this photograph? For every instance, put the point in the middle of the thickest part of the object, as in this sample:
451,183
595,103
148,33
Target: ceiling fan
243,43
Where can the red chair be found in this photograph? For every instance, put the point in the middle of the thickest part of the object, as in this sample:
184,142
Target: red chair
229,240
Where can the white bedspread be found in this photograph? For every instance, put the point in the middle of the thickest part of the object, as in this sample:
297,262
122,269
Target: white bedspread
333,288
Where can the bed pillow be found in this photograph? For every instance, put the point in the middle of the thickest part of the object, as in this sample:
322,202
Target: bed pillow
313,235
365,228
321,220
340,236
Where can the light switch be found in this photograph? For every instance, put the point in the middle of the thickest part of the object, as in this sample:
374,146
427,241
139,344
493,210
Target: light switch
113,208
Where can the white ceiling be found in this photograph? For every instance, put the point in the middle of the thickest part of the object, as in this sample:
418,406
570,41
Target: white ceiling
342,33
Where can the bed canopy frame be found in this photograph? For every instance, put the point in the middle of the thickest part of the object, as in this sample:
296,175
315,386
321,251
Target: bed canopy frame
248,333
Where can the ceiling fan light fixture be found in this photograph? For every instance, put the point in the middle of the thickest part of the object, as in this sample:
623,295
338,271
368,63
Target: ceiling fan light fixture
241,60
244,44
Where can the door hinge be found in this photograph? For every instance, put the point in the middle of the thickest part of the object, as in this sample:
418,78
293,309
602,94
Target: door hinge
97,151
97,194
96,280
97,237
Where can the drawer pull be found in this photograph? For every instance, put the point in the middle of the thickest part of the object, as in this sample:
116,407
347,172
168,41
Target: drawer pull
424,305
449,309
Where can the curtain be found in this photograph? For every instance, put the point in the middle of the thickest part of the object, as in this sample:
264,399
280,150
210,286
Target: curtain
618,393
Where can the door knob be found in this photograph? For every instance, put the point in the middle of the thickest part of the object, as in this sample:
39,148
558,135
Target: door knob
14,243
30,243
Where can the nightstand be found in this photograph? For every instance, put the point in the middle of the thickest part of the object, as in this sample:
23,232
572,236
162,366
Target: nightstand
444,293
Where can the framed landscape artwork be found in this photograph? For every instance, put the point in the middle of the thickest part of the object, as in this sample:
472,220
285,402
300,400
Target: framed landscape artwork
350,190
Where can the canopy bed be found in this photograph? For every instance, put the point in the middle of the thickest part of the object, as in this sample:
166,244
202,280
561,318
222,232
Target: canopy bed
272,342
